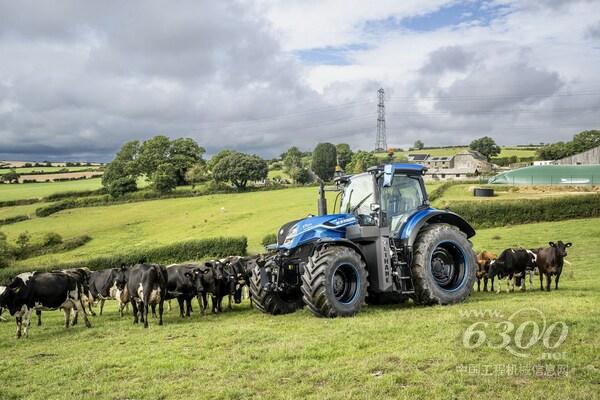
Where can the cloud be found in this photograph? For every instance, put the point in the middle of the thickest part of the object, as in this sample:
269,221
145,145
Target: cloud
78,79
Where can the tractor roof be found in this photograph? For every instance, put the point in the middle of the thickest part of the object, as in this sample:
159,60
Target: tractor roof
397,168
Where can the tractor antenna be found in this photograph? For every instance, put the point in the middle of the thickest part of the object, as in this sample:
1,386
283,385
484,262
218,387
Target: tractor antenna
381,140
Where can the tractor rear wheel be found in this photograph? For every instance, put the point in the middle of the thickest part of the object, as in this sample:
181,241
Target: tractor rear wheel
444,265
334,282
270,302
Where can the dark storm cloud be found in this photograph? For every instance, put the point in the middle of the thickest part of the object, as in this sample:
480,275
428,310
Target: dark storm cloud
81,77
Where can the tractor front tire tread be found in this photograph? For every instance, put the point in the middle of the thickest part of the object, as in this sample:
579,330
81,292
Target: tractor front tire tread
314,282
271,302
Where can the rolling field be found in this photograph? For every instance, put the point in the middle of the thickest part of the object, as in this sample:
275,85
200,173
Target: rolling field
29,170
397,351
42,189
450,151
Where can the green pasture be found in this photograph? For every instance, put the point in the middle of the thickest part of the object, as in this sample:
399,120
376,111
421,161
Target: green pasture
397,351
29,170
450,151
42,189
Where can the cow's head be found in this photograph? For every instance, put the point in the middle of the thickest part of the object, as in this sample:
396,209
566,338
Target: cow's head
230,278
208,274
195,277
561,248
8,298
120,277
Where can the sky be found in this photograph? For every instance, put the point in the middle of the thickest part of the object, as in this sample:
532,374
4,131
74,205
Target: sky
79,79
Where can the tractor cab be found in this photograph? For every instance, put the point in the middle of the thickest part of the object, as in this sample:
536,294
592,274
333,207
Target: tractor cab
385,196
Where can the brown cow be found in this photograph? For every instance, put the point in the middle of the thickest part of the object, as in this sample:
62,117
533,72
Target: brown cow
550,262
483,267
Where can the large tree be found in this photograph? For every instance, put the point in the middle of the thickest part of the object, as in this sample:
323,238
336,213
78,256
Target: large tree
164,179
581,142
344,154
183,154
486,146
121,173
361,161
324,160
239,169
153,152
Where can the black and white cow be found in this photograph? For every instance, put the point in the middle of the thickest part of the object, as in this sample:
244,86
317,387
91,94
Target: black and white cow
110,284
147,286
512,263
184,283
2,289
242,269
43,291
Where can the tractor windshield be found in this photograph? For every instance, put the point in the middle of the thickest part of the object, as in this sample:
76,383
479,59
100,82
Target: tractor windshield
357,198
400,199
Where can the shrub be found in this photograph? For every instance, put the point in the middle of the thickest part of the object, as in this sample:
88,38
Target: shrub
192,250
54,208
20,202
488,214
51,239
75,194
120,186
269,239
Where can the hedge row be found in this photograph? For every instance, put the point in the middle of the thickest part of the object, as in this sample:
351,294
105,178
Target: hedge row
172,253
439,191
488,214
75,194
69,244
13,220
20,202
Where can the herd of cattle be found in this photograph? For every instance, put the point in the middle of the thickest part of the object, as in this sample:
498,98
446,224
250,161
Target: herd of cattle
145,286
516,263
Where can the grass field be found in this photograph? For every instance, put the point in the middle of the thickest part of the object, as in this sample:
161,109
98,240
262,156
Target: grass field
464,192
385,352
42,189
450,151
46,169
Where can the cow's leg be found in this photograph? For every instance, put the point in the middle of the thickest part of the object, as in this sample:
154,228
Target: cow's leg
169,305
27,321
180,301
145,308
135,311
541,281
214,303
492,284
479,284
485,288
499,286
204,303
556,281
19,322
153,307
39,316
229,306
89,304
531,279
548,281
161,304
67,312
102,306
85,317
189,309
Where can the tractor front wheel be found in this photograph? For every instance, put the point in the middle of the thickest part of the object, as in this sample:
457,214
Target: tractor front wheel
334,283
443,265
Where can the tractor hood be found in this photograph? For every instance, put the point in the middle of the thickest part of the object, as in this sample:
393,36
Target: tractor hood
323,227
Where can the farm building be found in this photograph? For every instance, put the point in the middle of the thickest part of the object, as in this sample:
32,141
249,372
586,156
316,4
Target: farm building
550,175
590,157
463,165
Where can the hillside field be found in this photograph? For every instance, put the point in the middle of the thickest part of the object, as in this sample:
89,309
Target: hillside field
398,351
450,151
42,189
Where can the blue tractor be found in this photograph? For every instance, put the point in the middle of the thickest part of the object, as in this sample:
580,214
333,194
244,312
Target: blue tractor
385,244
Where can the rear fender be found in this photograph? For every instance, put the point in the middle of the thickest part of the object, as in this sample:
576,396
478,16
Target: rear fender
431,216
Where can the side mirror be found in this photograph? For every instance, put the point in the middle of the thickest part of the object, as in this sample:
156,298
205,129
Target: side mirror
375,207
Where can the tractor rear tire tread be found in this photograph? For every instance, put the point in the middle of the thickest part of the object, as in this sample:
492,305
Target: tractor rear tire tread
425,292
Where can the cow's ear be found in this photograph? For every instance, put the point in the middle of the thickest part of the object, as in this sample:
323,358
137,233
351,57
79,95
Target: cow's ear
569,244
551,244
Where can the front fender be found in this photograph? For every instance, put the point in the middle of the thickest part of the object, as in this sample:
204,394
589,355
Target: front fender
411,228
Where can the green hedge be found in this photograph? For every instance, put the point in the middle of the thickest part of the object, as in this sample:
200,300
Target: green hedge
488,214
172,253
40,249
13,220
439,191
20,202
74,194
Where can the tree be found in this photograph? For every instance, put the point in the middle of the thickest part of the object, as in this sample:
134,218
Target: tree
585,140
303,177
196,174
344,154
11,176
292,163
361,161
211,164
324,160
418,145
153,152
6,252
239,169
120,174
164,179
183,154
485,146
